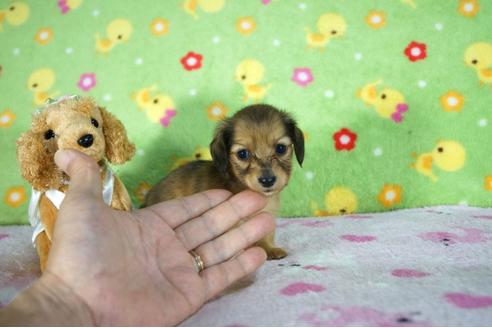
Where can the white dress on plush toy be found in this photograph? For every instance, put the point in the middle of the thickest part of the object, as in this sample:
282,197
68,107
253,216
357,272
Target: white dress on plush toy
56,197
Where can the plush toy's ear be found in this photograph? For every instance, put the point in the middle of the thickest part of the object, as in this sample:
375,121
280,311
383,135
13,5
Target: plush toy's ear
37,165
220,146
297,138
118,148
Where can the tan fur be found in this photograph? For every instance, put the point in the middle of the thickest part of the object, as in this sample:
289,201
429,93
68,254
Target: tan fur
257,129
70,120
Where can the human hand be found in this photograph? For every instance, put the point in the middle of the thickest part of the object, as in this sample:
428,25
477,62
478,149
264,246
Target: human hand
109,267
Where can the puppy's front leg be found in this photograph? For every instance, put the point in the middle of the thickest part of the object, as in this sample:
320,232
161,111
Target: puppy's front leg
268,244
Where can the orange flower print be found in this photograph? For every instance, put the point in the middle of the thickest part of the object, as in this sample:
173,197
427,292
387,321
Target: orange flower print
44,36
159,27
14,196
390,195
245,25
6,119
376,19
468,8
142,190
217,111
452,101
488,183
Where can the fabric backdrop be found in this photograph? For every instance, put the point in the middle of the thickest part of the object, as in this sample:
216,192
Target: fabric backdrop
394,97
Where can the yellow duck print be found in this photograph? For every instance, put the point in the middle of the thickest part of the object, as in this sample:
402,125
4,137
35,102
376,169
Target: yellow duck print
330,26
200,153
117,32
208,6
158,107
16,14
447,155
479,57
338,201
389,103
40,82
250,73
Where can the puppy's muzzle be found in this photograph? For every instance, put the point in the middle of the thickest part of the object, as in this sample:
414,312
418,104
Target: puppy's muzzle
86,140
267,181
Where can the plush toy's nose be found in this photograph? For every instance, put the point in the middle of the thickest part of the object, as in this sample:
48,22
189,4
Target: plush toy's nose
86,141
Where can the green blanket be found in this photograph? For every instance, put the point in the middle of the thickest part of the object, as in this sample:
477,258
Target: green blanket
394,97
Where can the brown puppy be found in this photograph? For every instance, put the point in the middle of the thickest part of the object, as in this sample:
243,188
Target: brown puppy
251,150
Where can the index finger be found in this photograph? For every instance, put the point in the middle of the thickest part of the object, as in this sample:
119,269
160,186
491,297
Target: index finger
177,211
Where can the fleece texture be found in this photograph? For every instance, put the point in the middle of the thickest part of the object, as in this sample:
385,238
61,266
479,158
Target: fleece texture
394,97
418,267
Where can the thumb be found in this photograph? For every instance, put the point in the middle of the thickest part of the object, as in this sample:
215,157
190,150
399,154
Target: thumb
84,172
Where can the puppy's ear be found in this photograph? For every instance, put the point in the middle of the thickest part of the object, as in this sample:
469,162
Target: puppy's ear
37,165
297,138
220,146
118,148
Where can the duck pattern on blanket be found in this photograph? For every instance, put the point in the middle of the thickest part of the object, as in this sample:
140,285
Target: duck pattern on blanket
394,96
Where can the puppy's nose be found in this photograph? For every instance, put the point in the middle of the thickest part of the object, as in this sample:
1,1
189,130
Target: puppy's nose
267,181
86,141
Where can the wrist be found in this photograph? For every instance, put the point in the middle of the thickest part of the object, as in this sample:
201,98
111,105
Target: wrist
47,302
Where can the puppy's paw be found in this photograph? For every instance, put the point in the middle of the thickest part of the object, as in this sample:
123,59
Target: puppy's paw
275,253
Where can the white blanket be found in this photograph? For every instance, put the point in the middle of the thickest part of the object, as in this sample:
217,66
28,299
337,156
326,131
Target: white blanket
414,267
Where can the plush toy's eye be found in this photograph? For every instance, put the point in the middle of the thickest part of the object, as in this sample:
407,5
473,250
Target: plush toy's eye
474,62
281,149
94,122
243,154
49,134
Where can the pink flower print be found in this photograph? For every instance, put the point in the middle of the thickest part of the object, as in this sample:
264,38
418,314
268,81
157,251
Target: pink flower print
301,288
64,8
468,301
471,236
166,120
358,239
266,2
302,76
87,81
3,236
409,273
398,115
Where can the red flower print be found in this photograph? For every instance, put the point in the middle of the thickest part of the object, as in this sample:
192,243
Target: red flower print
415,51
191,61
344,139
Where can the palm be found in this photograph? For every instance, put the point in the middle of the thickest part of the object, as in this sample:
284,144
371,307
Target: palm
136,266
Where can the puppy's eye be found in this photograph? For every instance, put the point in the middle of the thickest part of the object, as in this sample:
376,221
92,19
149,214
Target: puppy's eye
280,149
94,122
243,154
49,134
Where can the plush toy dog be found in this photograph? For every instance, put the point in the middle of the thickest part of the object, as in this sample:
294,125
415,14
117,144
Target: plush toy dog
77,123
